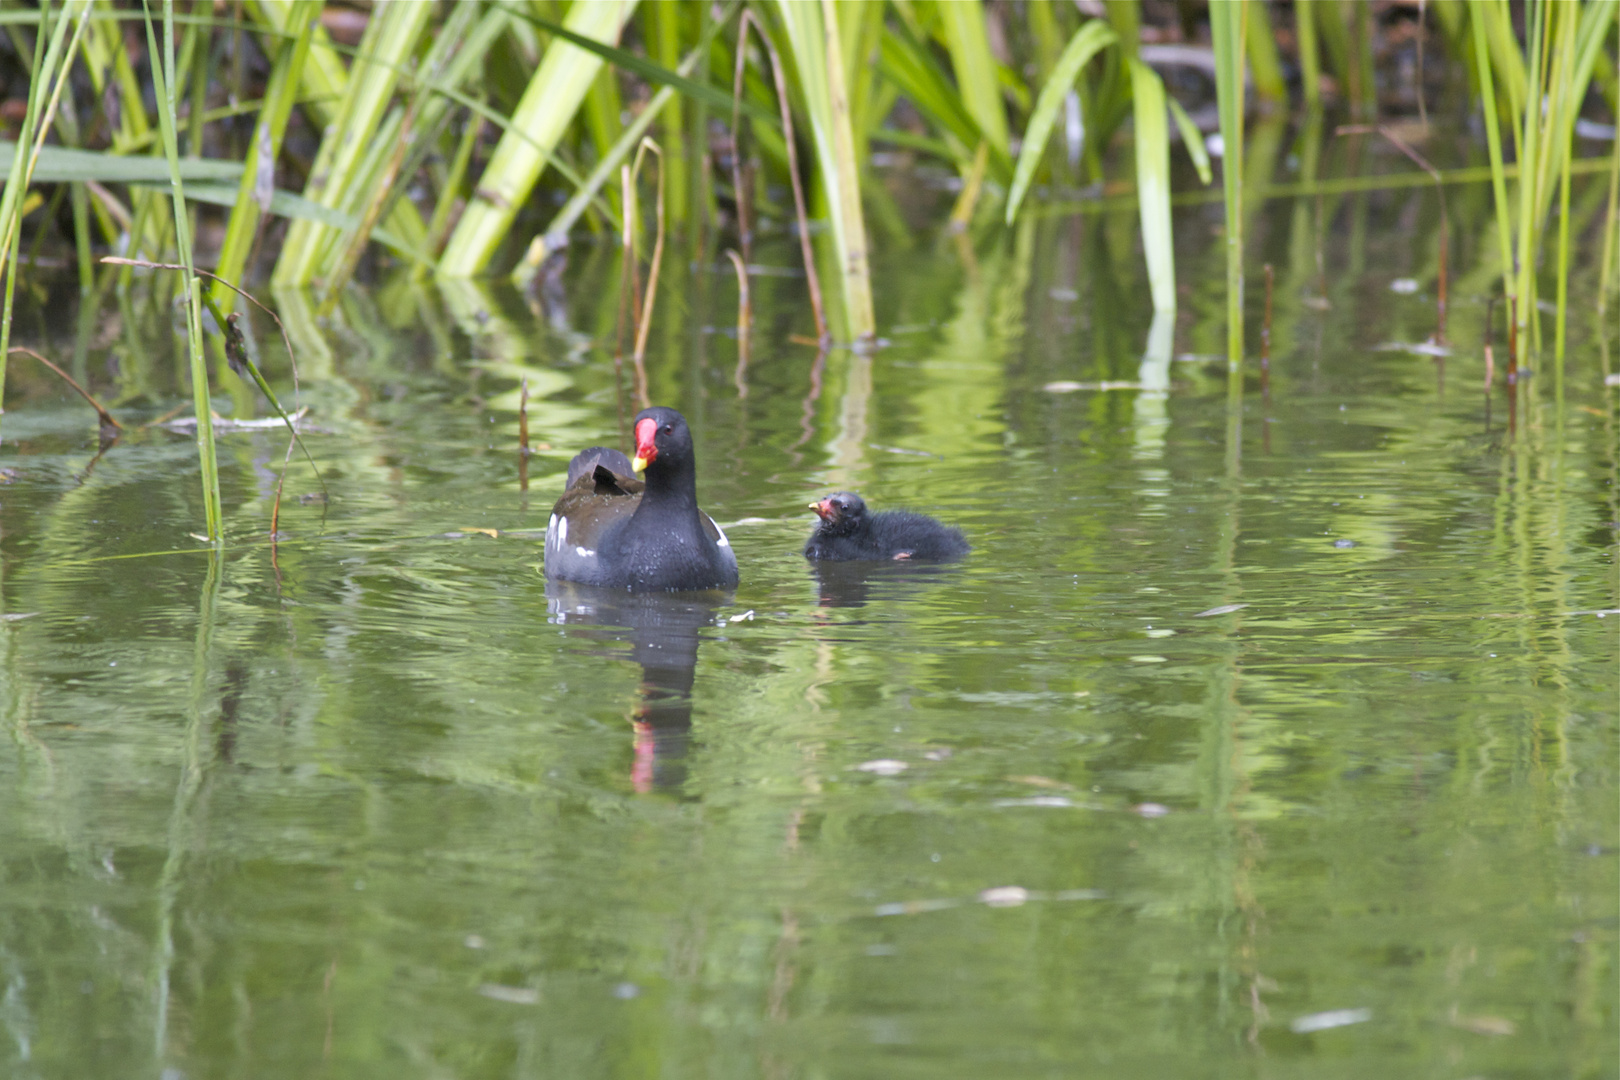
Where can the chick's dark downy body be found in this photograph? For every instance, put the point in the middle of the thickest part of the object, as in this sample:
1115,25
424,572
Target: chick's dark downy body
849,531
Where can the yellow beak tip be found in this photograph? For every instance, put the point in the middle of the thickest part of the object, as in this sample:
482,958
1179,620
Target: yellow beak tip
815,506
639,464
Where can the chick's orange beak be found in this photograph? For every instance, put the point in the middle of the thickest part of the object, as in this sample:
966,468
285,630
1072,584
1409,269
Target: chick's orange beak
646,449
823,508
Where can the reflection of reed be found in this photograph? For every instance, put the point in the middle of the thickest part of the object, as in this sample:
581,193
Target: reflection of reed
807,410
849,445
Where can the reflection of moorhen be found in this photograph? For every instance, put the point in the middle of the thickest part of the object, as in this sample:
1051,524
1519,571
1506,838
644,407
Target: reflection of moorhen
612,530
664,631
848,532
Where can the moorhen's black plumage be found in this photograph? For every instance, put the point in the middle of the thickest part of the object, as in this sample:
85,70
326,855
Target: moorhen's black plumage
612,530
848,532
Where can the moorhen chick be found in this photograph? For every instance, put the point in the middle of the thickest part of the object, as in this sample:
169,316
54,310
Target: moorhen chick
848,532
610,529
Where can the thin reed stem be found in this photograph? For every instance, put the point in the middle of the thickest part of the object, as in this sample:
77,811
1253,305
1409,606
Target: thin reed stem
745,319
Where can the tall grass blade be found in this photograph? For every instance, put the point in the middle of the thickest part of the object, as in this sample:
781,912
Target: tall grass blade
1226,25
1265,64
555,236
813,38
1606,276
548,106
11,202
1480,11
63,164
1092,37
325,77
802,214
1153,183
849,223
963,26
1193,140
163,78
390,37
1530,125
908,64
638,65
1310,54
257,187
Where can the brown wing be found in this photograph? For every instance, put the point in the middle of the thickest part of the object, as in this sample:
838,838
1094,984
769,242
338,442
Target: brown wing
597,499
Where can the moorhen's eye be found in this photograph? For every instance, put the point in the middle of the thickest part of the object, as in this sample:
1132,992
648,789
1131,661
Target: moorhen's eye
667,428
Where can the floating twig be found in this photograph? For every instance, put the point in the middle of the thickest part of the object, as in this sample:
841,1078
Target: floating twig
108,423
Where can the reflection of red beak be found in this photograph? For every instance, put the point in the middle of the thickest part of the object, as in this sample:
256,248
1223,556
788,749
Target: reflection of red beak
646,449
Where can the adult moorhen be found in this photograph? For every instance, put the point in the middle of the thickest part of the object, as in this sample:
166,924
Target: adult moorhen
612,530
848,532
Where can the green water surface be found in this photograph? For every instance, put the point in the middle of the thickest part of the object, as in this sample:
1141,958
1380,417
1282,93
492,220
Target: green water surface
1266,735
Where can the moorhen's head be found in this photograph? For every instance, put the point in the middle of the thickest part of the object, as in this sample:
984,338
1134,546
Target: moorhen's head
841,513
663,442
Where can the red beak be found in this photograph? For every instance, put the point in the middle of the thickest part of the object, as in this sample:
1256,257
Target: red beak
823,509
646,449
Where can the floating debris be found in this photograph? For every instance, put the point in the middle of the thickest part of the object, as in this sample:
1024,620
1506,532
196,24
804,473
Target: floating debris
1404,285
1004,896
626,990
512,995
1419,348
189,423
1037,800
939,753
1150,809
16,615
1334,1018
1066,387
883,767
915,907
1148,659
1224,609
999,896
747,616
1343,543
